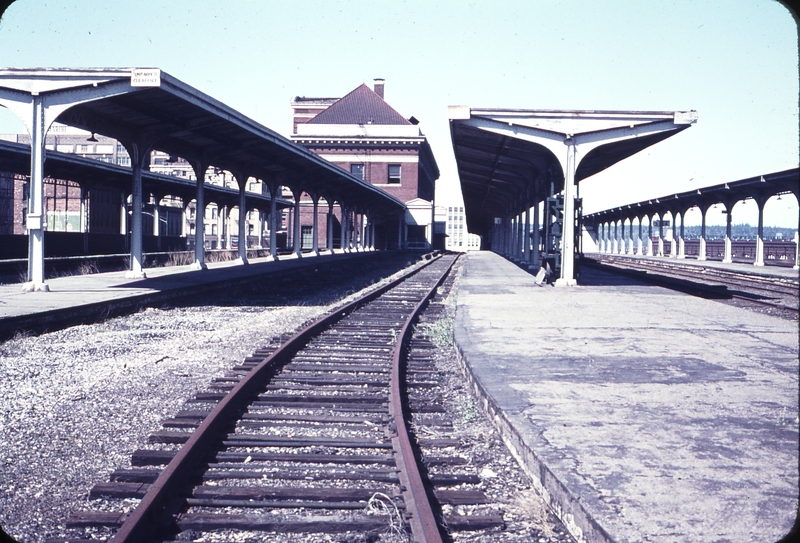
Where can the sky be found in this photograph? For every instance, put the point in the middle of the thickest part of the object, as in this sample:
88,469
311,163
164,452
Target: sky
734,61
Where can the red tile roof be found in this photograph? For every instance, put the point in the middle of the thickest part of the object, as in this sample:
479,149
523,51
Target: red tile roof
361,106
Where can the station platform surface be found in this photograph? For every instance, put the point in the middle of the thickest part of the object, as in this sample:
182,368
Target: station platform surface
741,267
86,293
642,414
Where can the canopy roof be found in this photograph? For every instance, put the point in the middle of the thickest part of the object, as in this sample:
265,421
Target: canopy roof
151,107
760,187
510,159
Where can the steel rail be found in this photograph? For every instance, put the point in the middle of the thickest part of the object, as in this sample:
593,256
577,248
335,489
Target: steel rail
659,273
164,497
424,527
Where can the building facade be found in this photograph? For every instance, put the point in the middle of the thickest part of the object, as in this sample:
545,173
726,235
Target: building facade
361,133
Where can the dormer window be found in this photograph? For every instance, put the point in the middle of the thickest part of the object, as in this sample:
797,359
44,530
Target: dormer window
394,174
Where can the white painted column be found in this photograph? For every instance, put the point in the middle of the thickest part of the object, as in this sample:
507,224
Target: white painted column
568,232
273,222
156,225
200,215
728,258
298,238
329,227
526,237
138,159
184,207
535,239
660,235
85,218
614,239
241,179
759,261
226,221
639,248
701,252
681,240
673,243
360,241
315,226
261,229
650,236
34,221
345,230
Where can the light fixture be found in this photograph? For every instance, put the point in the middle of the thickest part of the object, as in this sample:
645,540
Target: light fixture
779,196
91,138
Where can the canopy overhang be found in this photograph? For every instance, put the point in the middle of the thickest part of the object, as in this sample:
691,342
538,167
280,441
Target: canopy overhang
509,160
145,109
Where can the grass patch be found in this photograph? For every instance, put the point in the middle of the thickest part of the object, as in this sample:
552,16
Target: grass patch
440,332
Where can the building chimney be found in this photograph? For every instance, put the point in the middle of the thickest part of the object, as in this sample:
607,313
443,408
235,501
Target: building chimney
379,86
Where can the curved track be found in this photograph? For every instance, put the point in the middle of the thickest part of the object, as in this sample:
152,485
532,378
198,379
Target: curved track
307,436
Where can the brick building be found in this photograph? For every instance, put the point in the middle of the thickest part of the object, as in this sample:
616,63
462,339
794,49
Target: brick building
364,135
105,207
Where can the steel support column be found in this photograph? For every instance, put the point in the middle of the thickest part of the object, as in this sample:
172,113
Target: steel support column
200,214
241,180
759,260
701,252
638,249
728,258
34,219
297,242
315,226
140,156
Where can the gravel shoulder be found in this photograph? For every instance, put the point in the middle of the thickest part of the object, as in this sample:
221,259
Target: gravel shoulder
74,404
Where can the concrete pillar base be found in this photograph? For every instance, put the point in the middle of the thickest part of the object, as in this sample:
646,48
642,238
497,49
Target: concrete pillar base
197,266
760,264
565,282
33,286
242,261
727,261
135,275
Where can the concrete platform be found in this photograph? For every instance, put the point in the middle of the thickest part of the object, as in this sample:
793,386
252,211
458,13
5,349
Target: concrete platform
643,414
741,267
86,296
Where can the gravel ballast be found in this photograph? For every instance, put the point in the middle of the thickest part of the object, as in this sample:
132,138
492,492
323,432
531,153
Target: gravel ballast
74,404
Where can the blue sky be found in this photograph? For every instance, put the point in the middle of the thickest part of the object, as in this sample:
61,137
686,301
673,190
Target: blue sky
734,61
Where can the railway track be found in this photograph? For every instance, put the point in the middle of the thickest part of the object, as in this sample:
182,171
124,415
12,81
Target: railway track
778,293
321,433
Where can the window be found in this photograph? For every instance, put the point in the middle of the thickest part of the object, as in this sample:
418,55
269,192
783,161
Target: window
357,170
394,173
307,236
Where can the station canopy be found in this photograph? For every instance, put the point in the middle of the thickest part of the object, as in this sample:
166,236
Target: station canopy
149,105
510,159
